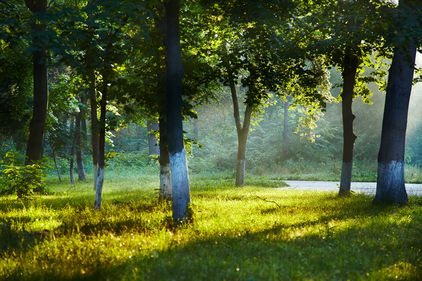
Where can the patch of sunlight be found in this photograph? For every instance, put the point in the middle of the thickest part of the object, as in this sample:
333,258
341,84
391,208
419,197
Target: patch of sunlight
401,270
41,225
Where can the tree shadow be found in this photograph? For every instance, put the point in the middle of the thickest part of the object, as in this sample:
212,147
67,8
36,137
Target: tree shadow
353,253
270,254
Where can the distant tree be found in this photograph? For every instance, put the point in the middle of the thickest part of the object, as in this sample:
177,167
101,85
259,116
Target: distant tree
15,85
250,44
153,147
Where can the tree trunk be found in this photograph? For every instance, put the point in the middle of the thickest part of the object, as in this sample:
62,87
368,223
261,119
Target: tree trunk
94,125
350,67
55,164
101,147
390,184
153,148
165,176
71,169
174,74
34,148
78,147
242,135
241,161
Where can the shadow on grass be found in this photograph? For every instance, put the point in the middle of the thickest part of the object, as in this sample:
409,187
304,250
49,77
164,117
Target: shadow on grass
369,251
377,251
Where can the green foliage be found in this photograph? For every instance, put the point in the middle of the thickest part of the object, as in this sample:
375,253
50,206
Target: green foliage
238,234
21,180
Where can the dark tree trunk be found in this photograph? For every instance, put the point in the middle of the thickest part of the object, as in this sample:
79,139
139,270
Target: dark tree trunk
71,169
153,148
390,184
84,132
78,147
165,176
174,74
350,67
34,148
94,125
101,146
242,135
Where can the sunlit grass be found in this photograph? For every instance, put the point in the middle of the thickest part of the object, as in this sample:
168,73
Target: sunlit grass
251,233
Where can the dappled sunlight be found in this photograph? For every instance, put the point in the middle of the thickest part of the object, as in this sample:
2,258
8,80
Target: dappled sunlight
252,232
401,270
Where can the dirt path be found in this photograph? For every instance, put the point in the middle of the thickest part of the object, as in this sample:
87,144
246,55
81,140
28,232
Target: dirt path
363,187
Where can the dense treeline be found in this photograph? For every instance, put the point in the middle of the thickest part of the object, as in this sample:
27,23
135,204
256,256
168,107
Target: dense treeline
75,72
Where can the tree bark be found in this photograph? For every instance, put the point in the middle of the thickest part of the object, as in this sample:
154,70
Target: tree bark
174,74
101,146
94,125
79,146
165,176
34,148
92,93
390,184
350,66
242,135
153,148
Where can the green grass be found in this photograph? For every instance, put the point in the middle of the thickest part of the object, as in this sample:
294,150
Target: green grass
251,233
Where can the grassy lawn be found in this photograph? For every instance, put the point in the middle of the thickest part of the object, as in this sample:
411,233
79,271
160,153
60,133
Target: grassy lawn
252,233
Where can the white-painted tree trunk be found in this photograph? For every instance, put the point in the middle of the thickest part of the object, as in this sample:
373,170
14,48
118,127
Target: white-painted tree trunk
180,185
99,189
165,182
390,183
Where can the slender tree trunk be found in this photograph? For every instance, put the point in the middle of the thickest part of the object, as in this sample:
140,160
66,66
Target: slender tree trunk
165,176
34,148
71,169
390,184
350,67
92,95
153,148
55,164
94,125
78,147
101,147
174,74
242,135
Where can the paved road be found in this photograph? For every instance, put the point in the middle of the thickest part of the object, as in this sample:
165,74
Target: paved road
363,187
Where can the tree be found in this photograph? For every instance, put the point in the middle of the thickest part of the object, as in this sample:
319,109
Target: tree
347,34
39,59
174,73
390,183
80,140
153,147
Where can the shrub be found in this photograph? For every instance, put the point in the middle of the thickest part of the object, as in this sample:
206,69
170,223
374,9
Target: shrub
22,180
